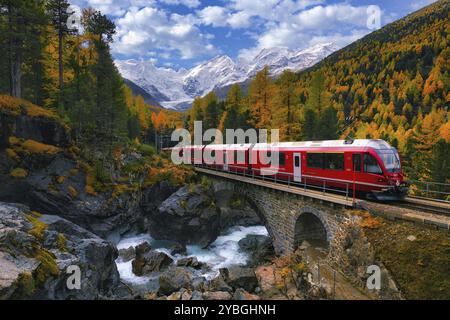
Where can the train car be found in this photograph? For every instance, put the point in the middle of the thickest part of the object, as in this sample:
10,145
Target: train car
370,167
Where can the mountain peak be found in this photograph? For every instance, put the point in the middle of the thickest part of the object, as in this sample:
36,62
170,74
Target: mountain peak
179,88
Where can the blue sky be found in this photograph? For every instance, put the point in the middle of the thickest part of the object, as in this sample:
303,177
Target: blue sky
183,33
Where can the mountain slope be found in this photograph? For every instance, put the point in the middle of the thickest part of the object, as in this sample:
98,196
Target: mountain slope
177,89
138,91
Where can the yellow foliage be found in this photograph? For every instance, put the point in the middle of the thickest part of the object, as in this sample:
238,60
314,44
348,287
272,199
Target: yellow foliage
12,154
73,192
61,242
38,227
60,179
35,147
445,131
19,173
17,106
90,190
14,141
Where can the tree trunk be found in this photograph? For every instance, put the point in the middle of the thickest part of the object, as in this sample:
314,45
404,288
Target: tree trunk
16,70
60,56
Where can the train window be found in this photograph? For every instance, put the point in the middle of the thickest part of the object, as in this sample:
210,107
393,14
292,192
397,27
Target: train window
334,161
357,162
282,159
213,154
371,164
297,162
315,160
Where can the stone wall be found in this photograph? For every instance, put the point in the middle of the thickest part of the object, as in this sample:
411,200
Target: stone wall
280,212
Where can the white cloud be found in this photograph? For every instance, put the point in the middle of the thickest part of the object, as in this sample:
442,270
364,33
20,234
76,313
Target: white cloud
214,15
306,27
187,3
146,29
239,20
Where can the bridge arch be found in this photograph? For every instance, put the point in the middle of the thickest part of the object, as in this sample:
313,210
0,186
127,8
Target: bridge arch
226,186
312,226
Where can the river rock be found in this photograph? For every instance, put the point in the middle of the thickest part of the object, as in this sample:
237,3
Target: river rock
241,294
267,278
177,248
29,242
142,248
239,277
217,295
219,283
127,254
174,279
190,262
149,262
189,216
259,247
197,295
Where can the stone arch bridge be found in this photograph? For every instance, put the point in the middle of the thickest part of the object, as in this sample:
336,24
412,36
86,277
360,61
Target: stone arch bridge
290,217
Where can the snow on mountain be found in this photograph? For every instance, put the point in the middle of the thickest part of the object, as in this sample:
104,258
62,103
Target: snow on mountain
177,89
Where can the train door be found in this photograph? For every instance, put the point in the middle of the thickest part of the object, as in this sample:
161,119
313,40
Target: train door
297,167
225,160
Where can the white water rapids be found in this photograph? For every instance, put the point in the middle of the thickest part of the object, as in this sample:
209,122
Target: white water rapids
222,253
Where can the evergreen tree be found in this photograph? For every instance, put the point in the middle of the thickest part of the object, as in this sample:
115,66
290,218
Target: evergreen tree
327,125
308,125
59,13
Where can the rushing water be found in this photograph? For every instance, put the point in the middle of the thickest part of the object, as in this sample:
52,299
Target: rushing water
222,253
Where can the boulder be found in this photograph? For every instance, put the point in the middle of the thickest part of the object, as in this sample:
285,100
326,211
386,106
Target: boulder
217,295
127,254
174,279
259,248
142,248
190,262
197,295
177,248
219,284
239,277
188,216
36,251
241,294
152,261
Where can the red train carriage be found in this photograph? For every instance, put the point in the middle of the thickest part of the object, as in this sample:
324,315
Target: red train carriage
371,167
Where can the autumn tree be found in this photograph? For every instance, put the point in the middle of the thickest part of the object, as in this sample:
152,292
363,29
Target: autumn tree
260,95
59,13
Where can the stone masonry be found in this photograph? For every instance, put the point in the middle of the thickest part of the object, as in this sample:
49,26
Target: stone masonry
287,216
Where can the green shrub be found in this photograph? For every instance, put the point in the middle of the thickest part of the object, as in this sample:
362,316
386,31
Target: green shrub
147,150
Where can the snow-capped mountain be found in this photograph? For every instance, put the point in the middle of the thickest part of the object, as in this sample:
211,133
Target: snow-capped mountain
177,89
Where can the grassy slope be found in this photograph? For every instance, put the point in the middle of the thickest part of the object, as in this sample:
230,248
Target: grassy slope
421,268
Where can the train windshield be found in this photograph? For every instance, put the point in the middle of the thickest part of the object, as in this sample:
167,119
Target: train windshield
390,159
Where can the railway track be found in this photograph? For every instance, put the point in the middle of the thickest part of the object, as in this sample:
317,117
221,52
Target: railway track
439,207
426,205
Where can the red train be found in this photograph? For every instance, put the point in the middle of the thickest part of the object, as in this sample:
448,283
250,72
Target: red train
370,167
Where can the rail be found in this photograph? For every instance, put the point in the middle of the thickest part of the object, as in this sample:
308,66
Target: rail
323,185
430,190
306,183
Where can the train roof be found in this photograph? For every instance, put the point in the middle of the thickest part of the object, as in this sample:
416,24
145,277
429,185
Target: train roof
357,143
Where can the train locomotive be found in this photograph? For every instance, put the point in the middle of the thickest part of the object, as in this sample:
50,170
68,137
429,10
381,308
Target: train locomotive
370,168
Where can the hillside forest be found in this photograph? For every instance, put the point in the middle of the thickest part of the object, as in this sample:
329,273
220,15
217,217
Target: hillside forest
393,84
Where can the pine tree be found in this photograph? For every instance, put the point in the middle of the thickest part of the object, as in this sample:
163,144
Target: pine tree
327,125
59,13
24,20
260,94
